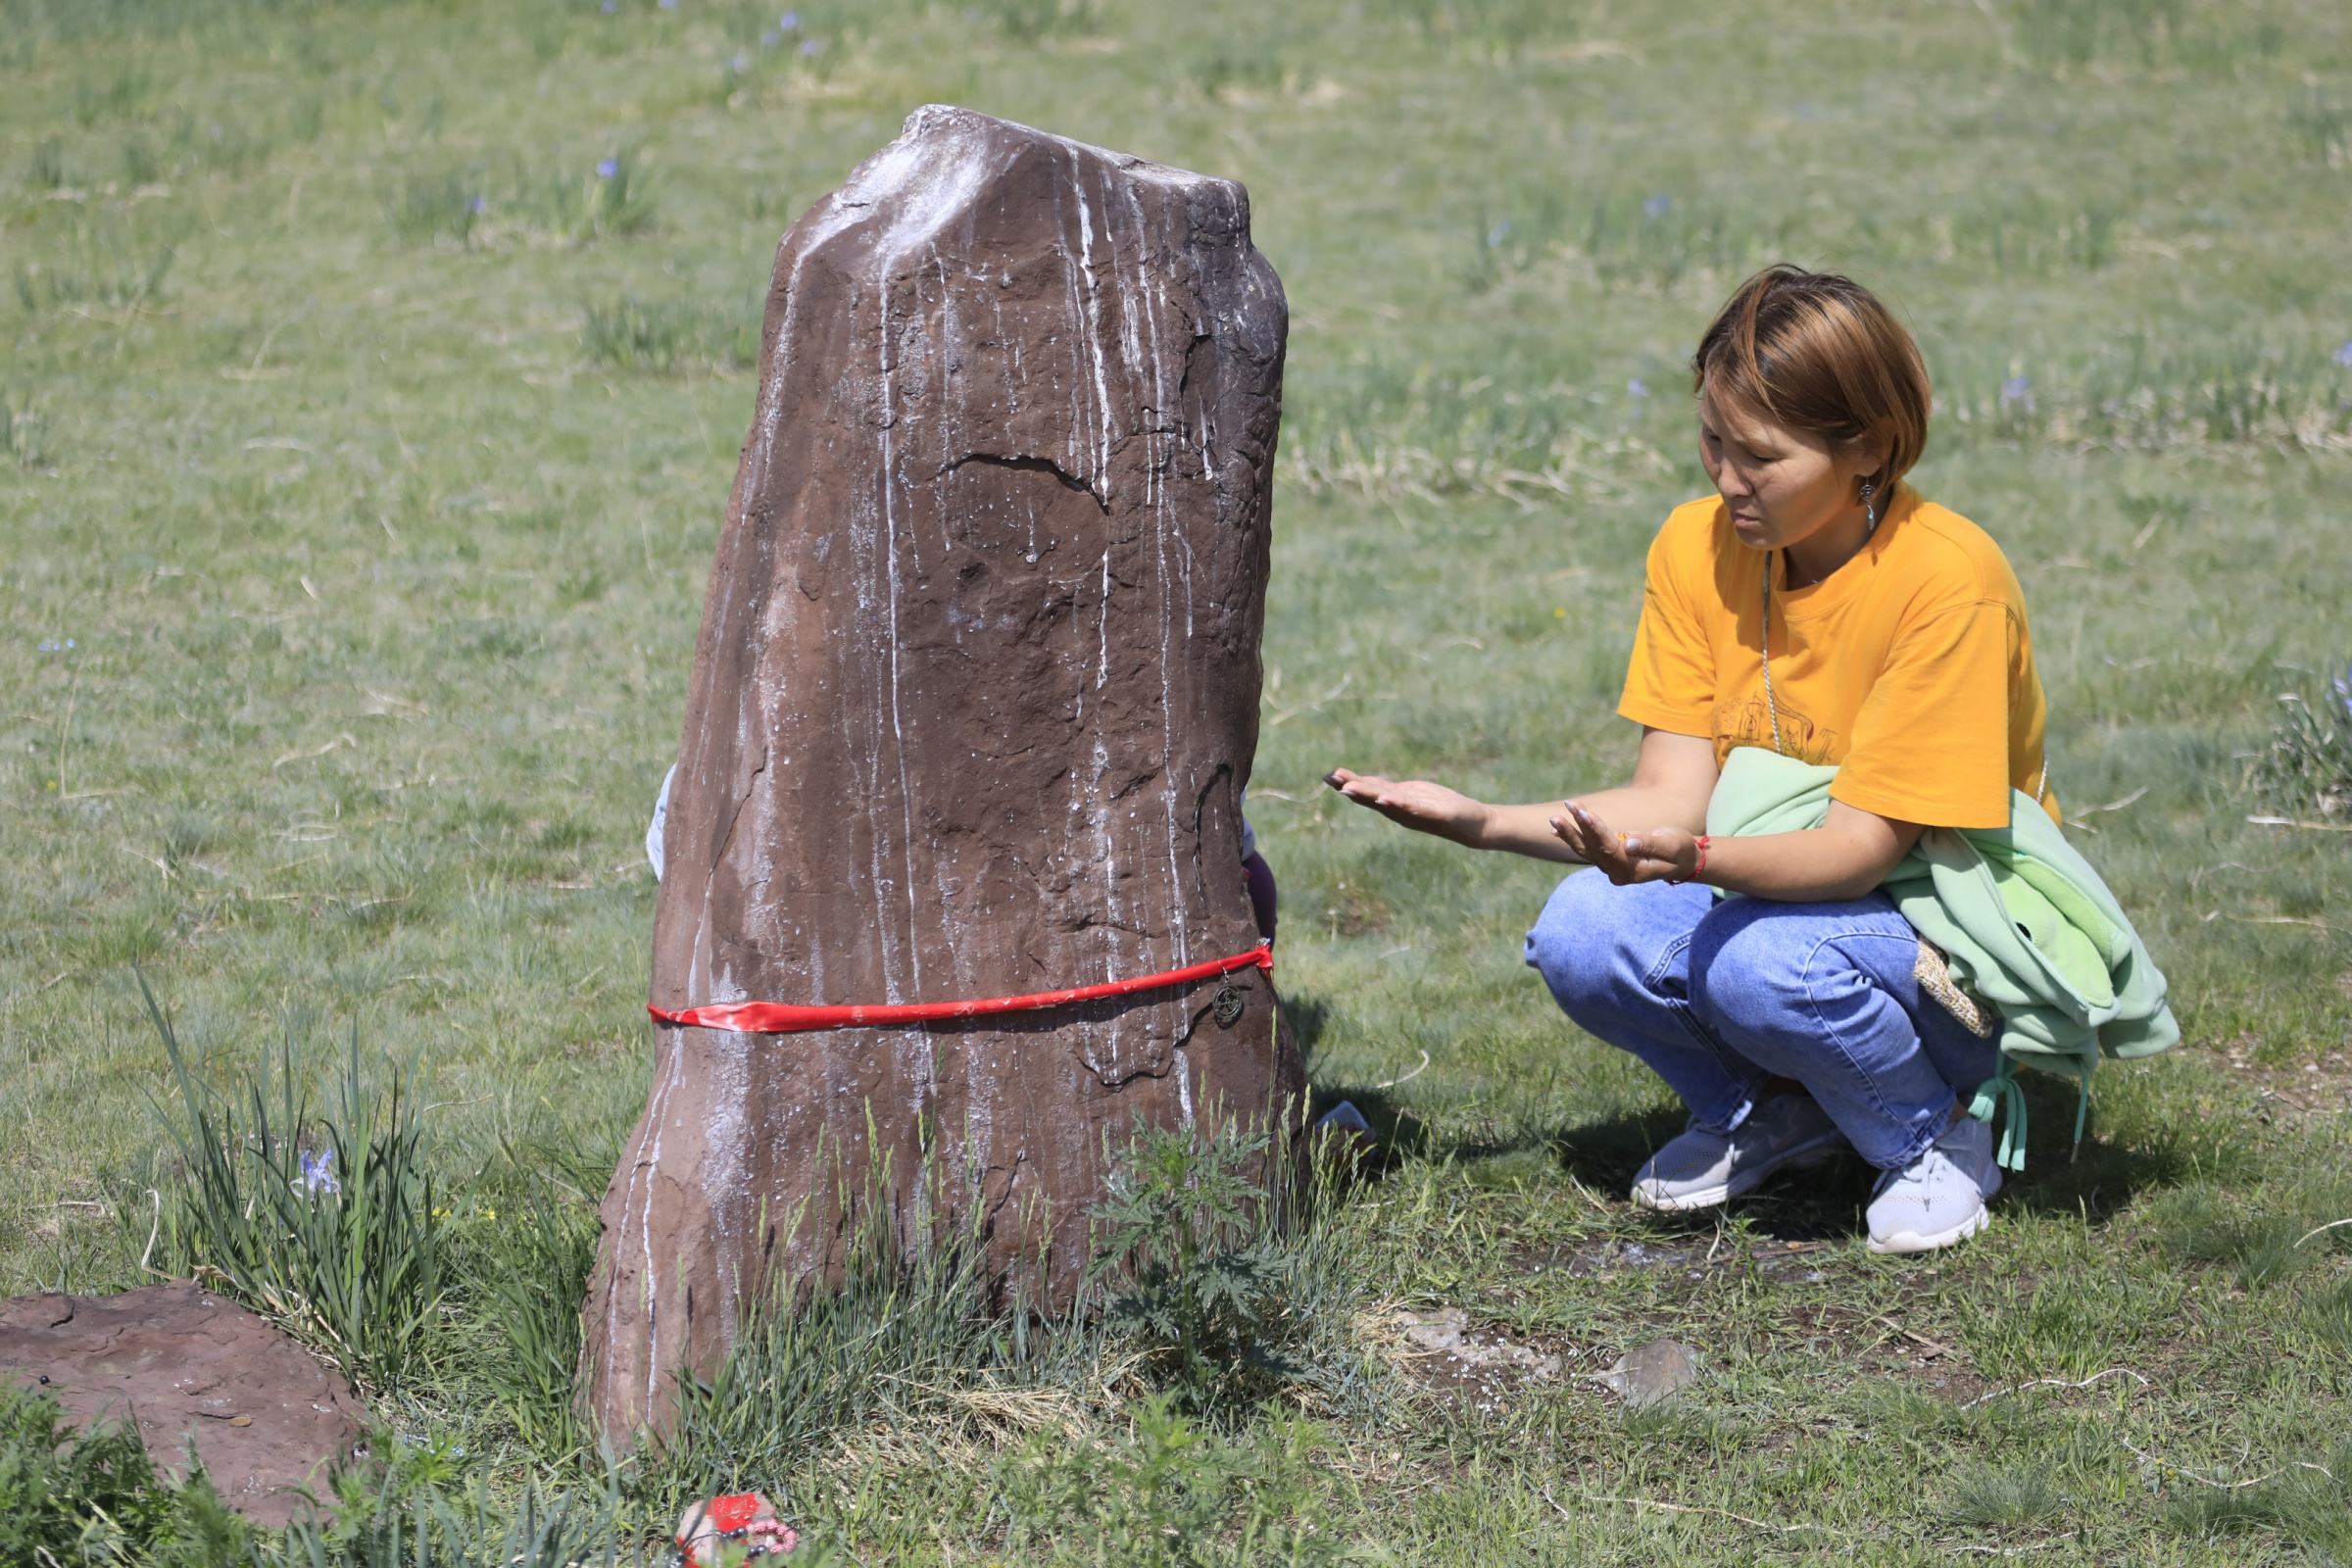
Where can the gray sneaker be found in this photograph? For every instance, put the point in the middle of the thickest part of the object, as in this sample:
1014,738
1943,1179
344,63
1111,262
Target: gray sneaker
1700,1169
1939,1198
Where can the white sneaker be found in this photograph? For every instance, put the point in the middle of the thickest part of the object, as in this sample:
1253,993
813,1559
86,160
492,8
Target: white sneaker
1939,1198
1700,1169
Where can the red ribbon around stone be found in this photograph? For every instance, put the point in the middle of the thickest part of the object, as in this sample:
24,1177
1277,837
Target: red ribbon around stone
787,1018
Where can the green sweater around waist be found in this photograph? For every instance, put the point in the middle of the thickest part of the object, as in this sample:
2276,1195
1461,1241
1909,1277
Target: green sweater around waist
2025,924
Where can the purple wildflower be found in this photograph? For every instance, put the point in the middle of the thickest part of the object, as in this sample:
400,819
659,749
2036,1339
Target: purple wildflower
2017,392
812,46
1657,206
789,21
319,1173
1638,387
2343,354
608,168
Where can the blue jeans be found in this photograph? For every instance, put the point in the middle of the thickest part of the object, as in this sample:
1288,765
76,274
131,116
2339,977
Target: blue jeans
1717,998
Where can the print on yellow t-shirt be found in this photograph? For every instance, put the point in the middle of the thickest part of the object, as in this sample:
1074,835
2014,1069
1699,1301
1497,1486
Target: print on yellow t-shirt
1910,668
1749,722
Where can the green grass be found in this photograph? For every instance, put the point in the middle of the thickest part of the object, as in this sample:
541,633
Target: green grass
368,444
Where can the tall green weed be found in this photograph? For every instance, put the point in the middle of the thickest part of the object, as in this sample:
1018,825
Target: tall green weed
1197,1281
2307,766
403,1520
325,1222
523,1274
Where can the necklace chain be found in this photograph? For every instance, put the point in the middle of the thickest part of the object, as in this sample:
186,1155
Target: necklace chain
1772,704
1764,646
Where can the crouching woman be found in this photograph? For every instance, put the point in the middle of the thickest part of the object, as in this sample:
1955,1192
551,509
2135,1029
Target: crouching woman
1819,609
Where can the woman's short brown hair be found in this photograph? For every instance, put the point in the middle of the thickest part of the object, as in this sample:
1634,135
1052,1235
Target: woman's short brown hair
1816,352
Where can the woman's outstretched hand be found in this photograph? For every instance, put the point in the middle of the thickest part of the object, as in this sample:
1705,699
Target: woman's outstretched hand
1661,854
1416,803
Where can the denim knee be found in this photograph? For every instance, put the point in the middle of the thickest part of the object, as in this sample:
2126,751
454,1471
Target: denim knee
1605,950
1745,981
1574,943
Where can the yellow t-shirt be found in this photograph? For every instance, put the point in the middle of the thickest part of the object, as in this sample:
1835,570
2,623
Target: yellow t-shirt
1909,668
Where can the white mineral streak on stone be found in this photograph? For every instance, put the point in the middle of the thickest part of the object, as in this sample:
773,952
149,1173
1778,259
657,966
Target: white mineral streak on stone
641,1180
728,1141
890,568
1158,459
1101,476
931,190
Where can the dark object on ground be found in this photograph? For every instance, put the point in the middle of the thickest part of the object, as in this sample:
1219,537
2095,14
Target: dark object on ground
176,1359
1344,1132
972,708
1651,1372
1262,902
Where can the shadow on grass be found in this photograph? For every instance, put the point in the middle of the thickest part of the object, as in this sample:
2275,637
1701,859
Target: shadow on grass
2097,1179
2102,1178
1821,1203
1309,1016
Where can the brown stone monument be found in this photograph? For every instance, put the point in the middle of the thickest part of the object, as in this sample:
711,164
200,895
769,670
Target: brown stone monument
972,708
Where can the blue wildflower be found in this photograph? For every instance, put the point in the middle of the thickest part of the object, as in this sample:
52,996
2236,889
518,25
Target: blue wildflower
56,647
2016,391
319,1173
1638,387
741,64
771,39
1657,206
789,21
608,168
611,6
2343,354
810,46
478,206
1498,233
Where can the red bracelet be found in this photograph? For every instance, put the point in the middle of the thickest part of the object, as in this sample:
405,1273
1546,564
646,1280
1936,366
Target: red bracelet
1699,870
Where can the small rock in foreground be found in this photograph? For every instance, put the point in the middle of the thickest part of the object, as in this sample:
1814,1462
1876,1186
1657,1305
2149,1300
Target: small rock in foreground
1651,1372
266,1417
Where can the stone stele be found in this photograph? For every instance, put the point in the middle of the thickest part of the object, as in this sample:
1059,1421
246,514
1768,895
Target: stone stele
973,703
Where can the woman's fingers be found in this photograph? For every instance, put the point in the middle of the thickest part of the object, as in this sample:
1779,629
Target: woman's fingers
1597,845
1413,803
1361,788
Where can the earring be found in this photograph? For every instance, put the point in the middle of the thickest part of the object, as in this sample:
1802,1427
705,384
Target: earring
1869,511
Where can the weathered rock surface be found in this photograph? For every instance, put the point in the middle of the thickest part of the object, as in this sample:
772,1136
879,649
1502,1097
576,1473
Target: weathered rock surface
973,703
179,1359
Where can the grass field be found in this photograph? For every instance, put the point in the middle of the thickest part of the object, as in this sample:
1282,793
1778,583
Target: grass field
374,375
